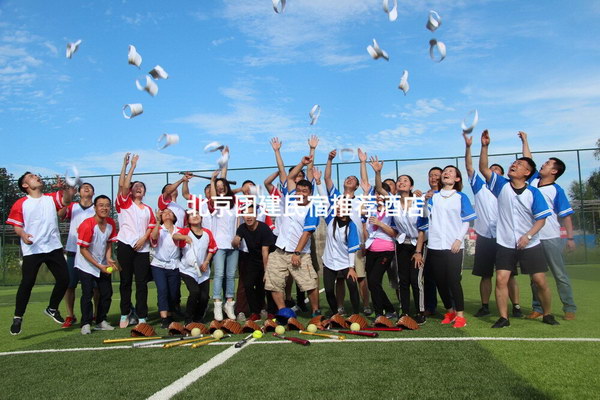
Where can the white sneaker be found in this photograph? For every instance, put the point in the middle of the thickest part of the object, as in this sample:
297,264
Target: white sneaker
104,326
229,309
263,314
241,318
218,310
86,329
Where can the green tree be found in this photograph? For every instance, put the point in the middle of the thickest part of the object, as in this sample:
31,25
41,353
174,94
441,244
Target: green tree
9,193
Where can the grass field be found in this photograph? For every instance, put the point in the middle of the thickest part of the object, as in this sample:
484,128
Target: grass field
465,368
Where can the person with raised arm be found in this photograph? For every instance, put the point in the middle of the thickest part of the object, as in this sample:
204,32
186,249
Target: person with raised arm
486,208
522,212
136,221
34,218
545,181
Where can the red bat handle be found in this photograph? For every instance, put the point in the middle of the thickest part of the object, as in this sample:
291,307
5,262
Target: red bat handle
359,333
303,342
385,329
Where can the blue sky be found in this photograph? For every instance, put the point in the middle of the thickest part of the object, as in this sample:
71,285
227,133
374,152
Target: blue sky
240,74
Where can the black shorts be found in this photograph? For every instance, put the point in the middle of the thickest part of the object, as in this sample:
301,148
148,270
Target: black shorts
531,260
485,257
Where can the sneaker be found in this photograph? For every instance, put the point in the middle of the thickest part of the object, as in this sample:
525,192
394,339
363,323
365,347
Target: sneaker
86,329
134,320
420,318
229,309
367,311
165,322
534,315
569,316
501,323
341,311
140,320
241,318
218,310
290,303
256,317
69,321
429,313
391,315
549,319
315,313
55,315
482,312
124,321
517,313
263,315
449,318
104,326
302,306
459,322
15,328
296,309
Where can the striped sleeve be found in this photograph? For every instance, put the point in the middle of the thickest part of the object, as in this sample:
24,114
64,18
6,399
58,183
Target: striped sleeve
15,217
311,221
353,238
57,198
212,244
85,232
162,202
476,183
467,213
496,183
113,234
539,206
562,207
152,222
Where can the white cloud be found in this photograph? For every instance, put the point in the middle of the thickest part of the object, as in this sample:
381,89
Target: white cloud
139,19
220,41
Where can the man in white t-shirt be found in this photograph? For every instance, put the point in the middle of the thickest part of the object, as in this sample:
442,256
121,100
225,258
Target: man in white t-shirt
34,218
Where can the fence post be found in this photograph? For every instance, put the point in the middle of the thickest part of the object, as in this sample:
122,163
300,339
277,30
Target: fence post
585,256
337,172
3,240
397,172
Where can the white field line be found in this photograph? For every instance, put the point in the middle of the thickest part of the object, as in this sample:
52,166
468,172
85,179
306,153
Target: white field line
419,339
192,376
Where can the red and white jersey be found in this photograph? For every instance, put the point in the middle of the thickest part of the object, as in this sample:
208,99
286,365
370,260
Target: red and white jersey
37,217
90,236
77,214
224,225
166,251
194,255
134,221
178,210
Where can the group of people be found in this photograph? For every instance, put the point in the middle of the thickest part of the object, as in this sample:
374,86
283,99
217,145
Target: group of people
416,237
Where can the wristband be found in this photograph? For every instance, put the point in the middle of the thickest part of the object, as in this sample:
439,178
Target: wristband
417,252
297,253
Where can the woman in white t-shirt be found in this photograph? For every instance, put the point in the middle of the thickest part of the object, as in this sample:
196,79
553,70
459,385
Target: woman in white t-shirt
225,261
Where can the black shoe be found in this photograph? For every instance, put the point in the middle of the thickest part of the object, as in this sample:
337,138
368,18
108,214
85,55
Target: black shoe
482,312
133,318
391,315
15,328
420,318
517,313
549,319
501,323
165,322
290,303
55,315
302,306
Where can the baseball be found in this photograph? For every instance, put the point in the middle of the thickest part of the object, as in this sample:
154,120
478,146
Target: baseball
312,328
218,334
257,334
196,332
109,270
355,327
280,330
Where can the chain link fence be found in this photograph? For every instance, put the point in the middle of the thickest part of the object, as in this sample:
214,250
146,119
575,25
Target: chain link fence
581,164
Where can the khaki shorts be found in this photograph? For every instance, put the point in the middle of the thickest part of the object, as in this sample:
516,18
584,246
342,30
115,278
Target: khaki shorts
280,267
359,264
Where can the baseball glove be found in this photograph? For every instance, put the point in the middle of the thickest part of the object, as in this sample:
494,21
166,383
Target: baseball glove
337,321
383,322
250,326
188,328
269,326
294,325
175,328
408,323
232,326
359,319
215,325
143,329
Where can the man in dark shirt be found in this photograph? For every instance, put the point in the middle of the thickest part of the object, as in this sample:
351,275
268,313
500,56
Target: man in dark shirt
258,238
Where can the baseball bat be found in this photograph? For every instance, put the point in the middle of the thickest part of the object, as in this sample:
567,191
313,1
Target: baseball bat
361,333
303,342
151,342
209,178
327,335
243,341
139,339
205,342
182,342
384,329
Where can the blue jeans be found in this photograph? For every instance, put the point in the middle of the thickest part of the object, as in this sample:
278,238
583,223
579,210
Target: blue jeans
167,285
224,263
553,252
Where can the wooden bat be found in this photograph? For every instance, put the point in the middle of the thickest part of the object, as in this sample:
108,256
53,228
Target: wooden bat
327,335
204,343
384,329
243,341
182,342
209,178
303,342
151,342
361,333
139,339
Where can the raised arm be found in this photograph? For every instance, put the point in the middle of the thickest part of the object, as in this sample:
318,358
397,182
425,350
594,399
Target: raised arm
185,189
155,231
291,183
328,180
364,175
224,168
276,145
123,170
269,181
124,189
173,186
483,156
468,158
526,150
377,167
213,184
313,142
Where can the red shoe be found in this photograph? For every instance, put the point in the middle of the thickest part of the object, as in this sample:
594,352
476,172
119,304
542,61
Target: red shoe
270,316
69,321
449,318
459,322
254,317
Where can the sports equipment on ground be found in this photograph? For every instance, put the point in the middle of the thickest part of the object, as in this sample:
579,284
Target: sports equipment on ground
311,328
143,329
269,326
294,324
231,326
250,326
175,328
280,330
326,335
360,333
244,341
336,321
383,322
303,342
355,327
196,332
214,325
359,319
257,334
407,322
218,334
189,327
